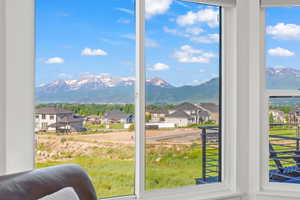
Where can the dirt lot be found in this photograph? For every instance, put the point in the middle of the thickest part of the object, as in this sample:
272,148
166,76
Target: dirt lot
59,147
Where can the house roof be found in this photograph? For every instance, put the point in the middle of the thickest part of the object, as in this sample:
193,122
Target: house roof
52,110
186,106
179,114
161,111
116,115
70,119
211,107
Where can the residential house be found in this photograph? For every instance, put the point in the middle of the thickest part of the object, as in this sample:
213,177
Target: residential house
55,119
158,115
277,116
117,116
197,113
214,111
180,118
294,116
181,115
93,119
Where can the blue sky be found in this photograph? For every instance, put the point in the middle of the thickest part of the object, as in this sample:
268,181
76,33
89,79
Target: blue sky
283,37
75,37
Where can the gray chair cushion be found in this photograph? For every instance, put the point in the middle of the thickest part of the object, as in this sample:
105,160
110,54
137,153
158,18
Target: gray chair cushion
38,183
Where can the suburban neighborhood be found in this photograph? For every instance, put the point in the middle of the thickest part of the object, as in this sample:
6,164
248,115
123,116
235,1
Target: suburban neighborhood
292,116
51,118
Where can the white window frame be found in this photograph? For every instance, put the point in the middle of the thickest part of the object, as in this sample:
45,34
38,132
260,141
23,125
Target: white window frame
18,150
269,190
227,186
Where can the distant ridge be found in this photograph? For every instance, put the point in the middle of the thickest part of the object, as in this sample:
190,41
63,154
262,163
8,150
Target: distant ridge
108,89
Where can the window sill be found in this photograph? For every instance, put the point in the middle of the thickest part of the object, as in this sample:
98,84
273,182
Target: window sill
203,192
207,192
277,195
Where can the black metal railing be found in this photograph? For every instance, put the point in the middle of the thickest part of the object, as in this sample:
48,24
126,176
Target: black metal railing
284,144
211,155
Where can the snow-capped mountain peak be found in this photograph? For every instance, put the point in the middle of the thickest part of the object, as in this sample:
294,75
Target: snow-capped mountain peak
93,81
158,82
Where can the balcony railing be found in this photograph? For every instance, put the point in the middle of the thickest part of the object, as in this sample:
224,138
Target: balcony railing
284,159
284,143
211,155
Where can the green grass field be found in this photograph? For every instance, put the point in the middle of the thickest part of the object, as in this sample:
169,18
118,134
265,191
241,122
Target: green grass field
166,168
170,166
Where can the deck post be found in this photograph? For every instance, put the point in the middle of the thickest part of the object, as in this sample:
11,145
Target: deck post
204,154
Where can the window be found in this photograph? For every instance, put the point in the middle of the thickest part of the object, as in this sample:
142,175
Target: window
75,38
283,84
85,69
43,116
183,77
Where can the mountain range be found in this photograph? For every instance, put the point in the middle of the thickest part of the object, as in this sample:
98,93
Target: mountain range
108,89
283,78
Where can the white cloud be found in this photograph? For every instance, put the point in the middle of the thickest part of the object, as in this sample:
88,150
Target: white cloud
183,4
188,54
93,52
159,67
151,43
194,30
124,21
174,32
283,31
208,15
210,38
125,10
55,60
280,52
157,7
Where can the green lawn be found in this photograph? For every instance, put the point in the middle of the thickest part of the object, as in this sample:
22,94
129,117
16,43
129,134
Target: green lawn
165,168
94,126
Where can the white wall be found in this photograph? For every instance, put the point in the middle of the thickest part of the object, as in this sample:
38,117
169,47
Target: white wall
2,89
16,124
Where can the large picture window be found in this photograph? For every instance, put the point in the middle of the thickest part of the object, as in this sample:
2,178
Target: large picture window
132,91
85,81
183,96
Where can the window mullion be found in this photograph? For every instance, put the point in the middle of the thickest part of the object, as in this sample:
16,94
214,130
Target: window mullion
140,100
